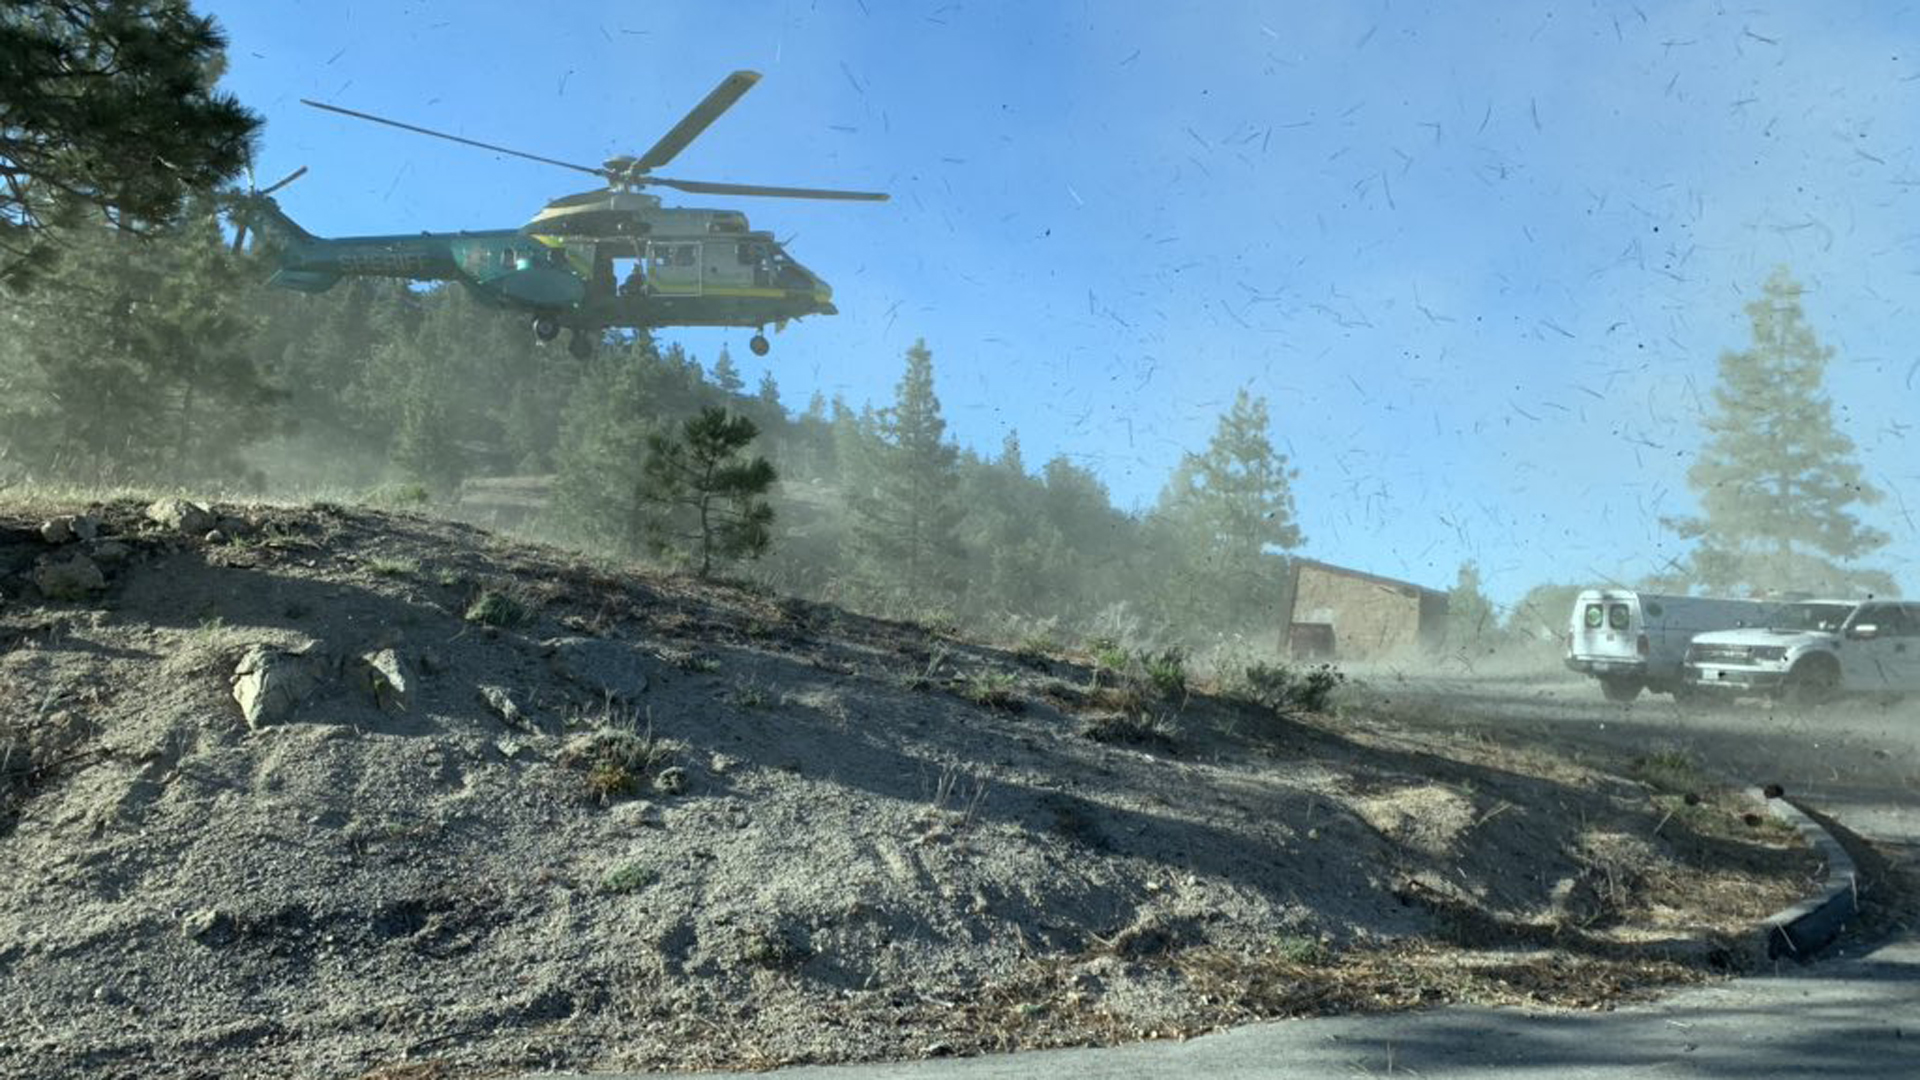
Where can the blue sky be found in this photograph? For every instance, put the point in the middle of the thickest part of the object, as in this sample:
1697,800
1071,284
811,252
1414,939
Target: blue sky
1480,259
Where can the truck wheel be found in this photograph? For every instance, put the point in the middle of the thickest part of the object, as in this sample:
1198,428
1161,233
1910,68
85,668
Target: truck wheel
1619,689
1812,681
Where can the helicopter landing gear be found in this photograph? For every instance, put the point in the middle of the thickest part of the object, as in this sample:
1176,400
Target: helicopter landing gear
580,343
545,328
759,345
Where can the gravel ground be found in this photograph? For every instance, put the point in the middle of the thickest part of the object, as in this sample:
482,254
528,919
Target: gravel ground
502,808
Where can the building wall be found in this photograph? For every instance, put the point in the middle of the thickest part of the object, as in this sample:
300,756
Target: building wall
1370,618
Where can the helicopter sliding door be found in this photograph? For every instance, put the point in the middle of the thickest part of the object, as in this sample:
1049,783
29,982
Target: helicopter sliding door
674,267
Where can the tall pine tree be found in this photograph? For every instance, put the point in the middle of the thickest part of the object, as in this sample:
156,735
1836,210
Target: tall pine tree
905,497
1777,479
107,107
1221,523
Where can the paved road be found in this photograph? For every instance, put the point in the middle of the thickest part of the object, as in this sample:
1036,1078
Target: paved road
1853,1014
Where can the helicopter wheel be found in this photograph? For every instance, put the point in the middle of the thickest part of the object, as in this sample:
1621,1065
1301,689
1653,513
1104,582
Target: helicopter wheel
545,328
580,344
759,345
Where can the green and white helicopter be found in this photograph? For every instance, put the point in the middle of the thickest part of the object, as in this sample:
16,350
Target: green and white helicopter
611,257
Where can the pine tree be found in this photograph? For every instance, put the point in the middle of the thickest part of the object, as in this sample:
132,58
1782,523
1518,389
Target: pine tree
709,496
625,396
1005,538
1776,477
769,394
1220,519
1472,625
726,376
109,109
904,496
135,362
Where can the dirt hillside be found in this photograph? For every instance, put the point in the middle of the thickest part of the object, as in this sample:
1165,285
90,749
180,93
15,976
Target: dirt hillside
320,791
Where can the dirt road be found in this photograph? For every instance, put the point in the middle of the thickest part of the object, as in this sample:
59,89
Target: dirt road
1856,761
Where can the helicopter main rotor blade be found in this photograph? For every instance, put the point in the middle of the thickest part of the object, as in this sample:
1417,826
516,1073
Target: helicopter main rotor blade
456,138
696,121
707,187
283,182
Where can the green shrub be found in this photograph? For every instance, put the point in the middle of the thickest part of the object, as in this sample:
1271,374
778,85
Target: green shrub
1107,654
1167,670
628,877
992,689
1300,949
1284,689
1130,728
617,759
495,608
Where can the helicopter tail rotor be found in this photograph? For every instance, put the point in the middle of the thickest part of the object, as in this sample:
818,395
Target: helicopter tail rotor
255,201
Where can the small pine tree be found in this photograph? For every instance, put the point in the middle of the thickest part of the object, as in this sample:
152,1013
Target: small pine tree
1471,622
710,495
726,376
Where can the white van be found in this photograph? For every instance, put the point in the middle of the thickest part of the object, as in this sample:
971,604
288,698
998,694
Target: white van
1633,641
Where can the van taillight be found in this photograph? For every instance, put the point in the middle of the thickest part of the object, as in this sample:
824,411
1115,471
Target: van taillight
1643,645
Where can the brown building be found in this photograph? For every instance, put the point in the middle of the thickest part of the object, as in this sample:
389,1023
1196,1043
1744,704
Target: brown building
1344,614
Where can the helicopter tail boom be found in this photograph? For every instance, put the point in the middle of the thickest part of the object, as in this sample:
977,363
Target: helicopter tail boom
264,211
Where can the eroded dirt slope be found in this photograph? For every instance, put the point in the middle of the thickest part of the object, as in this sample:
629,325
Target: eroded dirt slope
497,808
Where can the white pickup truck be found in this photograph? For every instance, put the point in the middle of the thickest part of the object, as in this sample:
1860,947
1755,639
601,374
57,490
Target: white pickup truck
1813,650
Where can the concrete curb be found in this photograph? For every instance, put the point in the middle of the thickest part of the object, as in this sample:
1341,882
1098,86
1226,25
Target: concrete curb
1801,930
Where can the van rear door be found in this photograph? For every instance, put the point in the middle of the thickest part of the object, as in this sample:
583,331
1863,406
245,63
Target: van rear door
1607,627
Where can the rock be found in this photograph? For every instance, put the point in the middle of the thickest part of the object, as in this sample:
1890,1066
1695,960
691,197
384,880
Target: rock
233,526
611,670
270,683
432,663
1574,901
181,516
111,552
639,812
497,699
208,926
71,578
215,536
671,780
384,676
69,527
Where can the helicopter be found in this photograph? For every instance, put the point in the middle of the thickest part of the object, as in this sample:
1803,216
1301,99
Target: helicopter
609,257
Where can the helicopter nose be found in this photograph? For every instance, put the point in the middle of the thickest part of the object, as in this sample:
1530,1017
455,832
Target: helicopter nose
823,297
